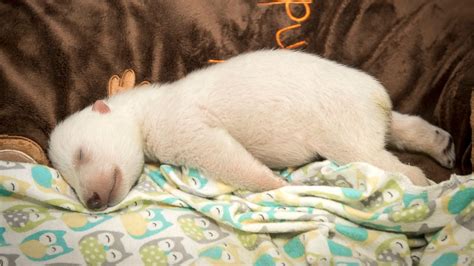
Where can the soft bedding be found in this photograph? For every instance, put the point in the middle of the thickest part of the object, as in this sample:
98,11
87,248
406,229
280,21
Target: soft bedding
352,214
56,56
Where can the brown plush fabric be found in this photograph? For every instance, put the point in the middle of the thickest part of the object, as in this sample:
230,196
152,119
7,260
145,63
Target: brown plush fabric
21,149
56,57
16,156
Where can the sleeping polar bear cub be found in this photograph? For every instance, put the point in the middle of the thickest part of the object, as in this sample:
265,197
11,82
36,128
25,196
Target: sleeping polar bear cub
235,121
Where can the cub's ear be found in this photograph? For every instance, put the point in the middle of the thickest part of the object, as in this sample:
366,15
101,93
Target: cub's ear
101,107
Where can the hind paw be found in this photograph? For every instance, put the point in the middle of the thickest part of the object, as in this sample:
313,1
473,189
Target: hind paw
443,148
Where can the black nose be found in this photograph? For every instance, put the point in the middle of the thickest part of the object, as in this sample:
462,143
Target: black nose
94,202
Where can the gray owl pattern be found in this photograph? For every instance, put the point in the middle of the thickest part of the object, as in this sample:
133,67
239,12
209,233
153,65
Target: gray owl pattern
8,259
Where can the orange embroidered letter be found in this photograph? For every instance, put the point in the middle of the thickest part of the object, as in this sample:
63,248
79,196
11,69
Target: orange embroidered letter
307,12
278,37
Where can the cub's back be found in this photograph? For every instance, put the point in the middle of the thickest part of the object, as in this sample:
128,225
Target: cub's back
280,83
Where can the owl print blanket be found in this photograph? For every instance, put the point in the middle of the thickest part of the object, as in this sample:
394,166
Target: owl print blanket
352,214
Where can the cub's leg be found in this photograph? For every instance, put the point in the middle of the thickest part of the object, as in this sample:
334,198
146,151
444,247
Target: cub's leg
384,160
220,156
415,134
367,144
387,161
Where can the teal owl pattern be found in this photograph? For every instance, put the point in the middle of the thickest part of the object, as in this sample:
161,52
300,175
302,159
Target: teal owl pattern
352,214
11,188
144,223
49,181
83,221
45,245
220,254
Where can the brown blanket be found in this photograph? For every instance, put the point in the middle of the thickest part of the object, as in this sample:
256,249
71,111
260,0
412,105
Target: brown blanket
56,57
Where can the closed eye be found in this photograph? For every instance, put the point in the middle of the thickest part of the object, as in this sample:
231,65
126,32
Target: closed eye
80,157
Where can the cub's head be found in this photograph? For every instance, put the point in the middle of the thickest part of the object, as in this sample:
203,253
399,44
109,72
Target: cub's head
99,152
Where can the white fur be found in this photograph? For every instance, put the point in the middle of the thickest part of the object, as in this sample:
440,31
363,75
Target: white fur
276,108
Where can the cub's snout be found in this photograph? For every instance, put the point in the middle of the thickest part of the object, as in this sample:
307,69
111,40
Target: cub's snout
95,202
100,191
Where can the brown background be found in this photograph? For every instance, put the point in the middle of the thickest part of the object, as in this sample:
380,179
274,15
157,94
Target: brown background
57,56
